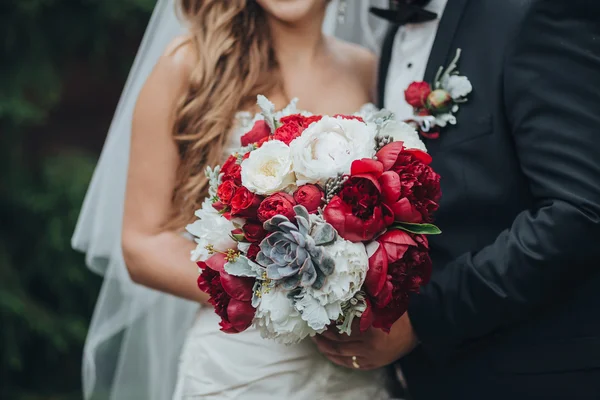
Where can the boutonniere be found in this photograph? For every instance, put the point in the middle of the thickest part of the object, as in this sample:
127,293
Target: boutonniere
435,105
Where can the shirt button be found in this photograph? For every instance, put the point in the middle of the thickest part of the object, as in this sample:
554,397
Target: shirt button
409,65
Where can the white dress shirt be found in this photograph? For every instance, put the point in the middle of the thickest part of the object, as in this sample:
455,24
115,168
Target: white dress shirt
412,47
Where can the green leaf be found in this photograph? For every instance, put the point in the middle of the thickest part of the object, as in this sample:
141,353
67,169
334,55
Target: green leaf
419,229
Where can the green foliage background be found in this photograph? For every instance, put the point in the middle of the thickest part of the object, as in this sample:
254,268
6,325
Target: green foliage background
46,294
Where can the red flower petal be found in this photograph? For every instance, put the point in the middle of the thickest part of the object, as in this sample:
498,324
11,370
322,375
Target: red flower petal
406,212
385,296
420,155
388,215
396,243
366,320
240,314
391,187
389,154
366,166
227,327
370,178
217,262
238,288
377,272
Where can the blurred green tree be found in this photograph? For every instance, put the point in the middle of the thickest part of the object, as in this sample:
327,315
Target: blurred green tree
46,294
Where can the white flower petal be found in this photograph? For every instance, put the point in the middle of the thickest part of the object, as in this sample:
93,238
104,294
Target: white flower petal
268,169
211,228
328,147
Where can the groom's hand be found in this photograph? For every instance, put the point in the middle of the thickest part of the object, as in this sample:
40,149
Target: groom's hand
372,349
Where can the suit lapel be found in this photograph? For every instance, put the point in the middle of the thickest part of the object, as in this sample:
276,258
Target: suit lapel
442,46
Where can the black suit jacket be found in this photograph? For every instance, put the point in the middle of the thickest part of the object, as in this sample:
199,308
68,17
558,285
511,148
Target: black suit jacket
513,307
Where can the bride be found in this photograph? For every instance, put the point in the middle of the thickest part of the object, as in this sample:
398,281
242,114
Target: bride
191,110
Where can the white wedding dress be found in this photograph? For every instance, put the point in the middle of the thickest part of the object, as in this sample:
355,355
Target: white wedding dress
218,366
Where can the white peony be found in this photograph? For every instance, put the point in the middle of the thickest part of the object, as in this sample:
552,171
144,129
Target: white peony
327,148
457,86
403,132
276,318
320,306
210,228
268,169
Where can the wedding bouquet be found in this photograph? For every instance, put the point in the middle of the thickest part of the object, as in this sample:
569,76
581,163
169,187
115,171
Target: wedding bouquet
317,221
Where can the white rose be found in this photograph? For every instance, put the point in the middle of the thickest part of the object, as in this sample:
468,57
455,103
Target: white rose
276,318
403,132
268,169
211,228
327,148
457,86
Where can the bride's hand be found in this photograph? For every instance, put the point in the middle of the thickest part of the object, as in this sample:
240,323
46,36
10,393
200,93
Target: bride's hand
371,349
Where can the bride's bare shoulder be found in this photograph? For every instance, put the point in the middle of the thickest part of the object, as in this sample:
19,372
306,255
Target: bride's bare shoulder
357,59
167,82
180,56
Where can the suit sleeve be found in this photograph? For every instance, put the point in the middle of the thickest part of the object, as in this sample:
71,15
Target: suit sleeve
552,102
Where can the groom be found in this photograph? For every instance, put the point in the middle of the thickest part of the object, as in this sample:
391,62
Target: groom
513,308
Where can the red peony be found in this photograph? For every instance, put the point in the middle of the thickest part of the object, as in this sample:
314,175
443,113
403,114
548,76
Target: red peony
259,132
292,126
309,196
400,266
416,94
245,203
232,170
358,212
226,191
411,188
230,295
277,204
254,232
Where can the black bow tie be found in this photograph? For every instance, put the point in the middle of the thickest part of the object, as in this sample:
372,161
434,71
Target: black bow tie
403,12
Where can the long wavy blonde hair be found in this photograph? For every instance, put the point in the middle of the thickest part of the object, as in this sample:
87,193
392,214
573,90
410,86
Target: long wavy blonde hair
236,62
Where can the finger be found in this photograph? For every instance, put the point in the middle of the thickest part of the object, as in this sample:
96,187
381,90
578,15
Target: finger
348,362
333,334
335,348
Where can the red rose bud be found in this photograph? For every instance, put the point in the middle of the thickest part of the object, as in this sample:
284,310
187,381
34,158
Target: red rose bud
309,196
238,235
245,203
439,101
277,204
259,131
416,94
254,232
226,191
